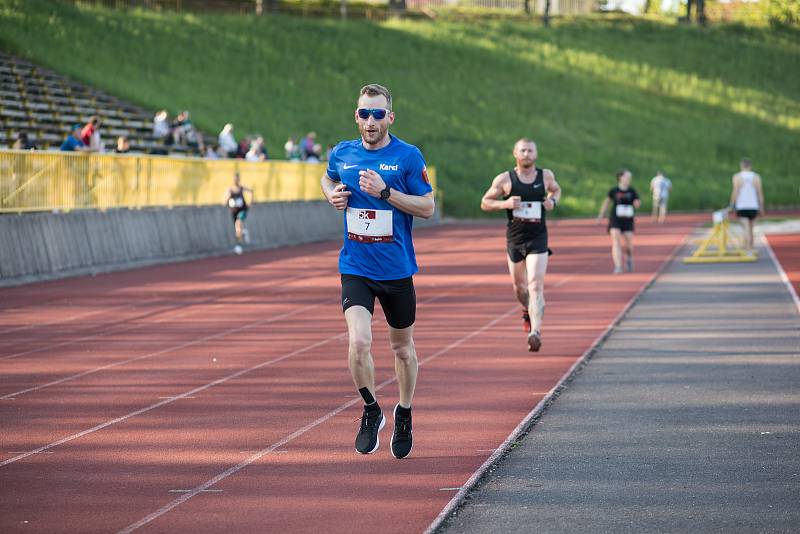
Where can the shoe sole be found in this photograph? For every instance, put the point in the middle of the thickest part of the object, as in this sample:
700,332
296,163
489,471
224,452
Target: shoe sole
377,438
394,413
534,343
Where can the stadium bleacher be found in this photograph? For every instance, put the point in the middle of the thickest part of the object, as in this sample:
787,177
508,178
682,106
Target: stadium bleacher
45,104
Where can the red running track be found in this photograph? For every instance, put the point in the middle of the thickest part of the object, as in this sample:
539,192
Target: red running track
787,250
214,395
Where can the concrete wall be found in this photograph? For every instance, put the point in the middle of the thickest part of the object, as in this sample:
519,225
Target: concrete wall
44,246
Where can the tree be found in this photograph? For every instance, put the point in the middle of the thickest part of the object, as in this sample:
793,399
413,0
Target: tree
546,16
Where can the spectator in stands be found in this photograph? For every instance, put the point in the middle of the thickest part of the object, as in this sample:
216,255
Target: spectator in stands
256,152
73,141
23,142
293,151
178,133
161,125
90,135
191,136
123,146
307,145
212,152
227,142
262,148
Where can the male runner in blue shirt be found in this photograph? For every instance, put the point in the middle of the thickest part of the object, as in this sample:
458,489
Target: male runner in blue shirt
380,182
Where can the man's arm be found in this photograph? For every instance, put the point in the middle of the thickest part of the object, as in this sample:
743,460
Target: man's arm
603,209
335,192
735,191
552,187
762,207
491,200
252,194
419,206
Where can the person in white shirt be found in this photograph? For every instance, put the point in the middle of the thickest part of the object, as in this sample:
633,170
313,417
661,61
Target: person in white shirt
747,198
660,187
161,125
227,142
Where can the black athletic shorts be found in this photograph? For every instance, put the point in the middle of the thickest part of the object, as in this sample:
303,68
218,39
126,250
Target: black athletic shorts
518,251
747,214
397,297
624,224
238,213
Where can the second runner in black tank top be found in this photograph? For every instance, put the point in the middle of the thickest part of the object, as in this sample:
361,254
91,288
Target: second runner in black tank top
522,229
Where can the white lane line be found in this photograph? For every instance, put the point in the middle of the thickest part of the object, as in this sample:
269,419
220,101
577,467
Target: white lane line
157,353
188,490
169,401
781,272
458,498
297,433
193,307
77,316
205,386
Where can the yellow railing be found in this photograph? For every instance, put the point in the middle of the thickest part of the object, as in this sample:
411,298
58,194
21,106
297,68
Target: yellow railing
45,181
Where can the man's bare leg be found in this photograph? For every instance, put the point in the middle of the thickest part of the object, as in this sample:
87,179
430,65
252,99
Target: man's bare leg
405,362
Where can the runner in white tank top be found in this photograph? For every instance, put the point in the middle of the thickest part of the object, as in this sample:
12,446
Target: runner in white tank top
747,198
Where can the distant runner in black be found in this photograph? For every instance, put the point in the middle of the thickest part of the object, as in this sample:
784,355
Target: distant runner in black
624,200
238,205
526,193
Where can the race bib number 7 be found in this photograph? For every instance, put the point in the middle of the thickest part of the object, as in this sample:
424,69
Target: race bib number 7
369,226
528,211
624,211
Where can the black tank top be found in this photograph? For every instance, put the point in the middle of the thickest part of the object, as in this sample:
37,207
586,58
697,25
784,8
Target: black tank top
520,230
236,199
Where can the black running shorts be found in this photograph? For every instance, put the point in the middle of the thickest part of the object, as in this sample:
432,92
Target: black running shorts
397,297
517,252
623,224
747,214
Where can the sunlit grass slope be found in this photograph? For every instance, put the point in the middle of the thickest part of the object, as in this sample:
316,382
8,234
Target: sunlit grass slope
595,93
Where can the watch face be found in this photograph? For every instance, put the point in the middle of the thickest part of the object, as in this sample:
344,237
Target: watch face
385,193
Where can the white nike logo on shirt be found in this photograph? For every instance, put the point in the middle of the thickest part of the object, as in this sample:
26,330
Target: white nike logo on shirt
537,185
346,166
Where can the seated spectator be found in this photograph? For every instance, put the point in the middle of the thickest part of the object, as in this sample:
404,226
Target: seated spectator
123,146
293,151
307,146
244,146
90,135
178,133
256,152
227,142
73,141
161,125
316,154
212,152
23,142
262,148
191,136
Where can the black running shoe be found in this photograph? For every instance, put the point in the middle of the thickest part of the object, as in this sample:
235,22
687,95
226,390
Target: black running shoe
401,439
526,321
372,422
534,341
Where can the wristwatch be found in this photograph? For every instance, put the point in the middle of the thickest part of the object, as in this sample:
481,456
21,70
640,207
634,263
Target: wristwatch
385,193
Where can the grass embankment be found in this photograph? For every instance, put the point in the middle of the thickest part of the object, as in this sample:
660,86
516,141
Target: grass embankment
597,93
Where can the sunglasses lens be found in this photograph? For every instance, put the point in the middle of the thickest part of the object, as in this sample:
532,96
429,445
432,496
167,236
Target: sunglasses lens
378,113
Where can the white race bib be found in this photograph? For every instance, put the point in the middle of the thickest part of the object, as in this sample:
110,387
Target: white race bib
624,211
237,202
369,226
528,211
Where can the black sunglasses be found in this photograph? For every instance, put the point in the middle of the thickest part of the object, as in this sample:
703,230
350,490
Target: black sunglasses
378,113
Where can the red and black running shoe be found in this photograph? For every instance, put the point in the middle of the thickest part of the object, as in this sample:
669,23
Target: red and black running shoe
526,321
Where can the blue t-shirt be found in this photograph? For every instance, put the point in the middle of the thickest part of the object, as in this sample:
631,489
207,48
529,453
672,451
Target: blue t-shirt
70,144
402,167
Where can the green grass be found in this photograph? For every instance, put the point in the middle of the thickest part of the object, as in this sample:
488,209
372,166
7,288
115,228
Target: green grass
596,93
